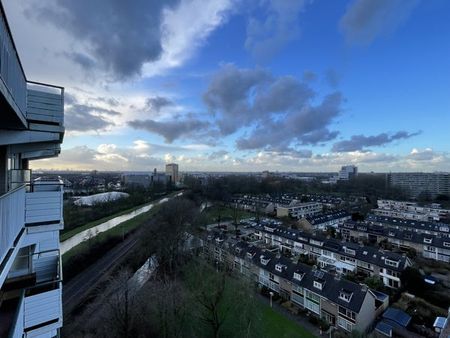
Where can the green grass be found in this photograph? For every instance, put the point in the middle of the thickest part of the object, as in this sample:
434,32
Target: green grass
226,214
119,230
72,232
269,322
275,325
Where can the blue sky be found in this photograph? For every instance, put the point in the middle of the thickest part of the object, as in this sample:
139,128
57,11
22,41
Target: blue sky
244,85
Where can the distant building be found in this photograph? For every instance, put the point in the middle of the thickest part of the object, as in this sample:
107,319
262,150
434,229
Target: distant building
299,210
414,184
411,210
324,221
137,179
172,172
347,172
157,177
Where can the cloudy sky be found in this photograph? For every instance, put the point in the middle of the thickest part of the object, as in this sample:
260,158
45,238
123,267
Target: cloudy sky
244,85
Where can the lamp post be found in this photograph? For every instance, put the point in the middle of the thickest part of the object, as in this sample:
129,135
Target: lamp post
271,295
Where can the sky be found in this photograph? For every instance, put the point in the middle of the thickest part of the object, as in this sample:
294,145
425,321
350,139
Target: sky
243,85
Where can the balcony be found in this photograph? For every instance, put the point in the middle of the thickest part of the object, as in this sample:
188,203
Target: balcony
25,104
13,85
44,203
30,297
12,215
45,107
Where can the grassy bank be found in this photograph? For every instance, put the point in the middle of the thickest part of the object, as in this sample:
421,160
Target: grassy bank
86,253
72,232
66,234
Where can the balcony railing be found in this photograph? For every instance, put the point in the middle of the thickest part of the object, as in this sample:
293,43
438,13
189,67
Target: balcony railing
12,216
43,308
44,203
13,83
45,103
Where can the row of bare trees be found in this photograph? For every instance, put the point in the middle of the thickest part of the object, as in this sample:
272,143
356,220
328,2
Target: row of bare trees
185,298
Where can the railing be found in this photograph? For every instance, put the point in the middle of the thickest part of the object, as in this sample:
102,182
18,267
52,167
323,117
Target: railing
13,81
45,103
44,202
45,266
41,308
12,216
17,329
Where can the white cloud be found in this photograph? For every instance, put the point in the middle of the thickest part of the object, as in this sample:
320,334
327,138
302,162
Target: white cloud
185,28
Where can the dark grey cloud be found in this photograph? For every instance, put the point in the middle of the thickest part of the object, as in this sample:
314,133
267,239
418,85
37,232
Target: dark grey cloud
156,103
121,35
82,118
242,97
361,142
365,20
217,154
187,126
422,155
85,61
86,117
265,37
307,125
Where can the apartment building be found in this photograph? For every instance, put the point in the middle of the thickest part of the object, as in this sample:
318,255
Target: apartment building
346,305
423,227
411,211
172,172
31,127
331,254
299,210
324,221
432,184
347,172
430,246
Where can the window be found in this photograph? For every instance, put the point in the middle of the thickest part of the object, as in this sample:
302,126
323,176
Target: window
346,325
298,276
345,295
391,262
264,261
347,313
349,251
427,240
271,276
318,285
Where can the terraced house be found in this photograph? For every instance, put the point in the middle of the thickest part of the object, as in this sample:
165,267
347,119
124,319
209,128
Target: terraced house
343,257
31,127
436,247
343,304
421,227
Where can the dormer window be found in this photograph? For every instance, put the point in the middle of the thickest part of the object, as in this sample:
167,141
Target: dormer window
238,250
298,276
391,233
391,262
345,295
318,285
427,240
279,267
249,255
349,251
264,261
447,244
